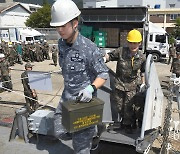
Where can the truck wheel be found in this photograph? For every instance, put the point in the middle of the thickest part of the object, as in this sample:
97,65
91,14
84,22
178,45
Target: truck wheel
155,57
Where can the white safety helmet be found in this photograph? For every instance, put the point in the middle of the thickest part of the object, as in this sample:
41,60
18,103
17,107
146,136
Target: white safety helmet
2,55
63,11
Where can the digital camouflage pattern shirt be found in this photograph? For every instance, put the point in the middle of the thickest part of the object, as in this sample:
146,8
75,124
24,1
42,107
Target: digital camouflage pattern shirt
81,63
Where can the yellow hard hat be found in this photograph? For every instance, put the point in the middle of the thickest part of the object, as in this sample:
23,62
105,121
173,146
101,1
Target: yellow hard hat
134,36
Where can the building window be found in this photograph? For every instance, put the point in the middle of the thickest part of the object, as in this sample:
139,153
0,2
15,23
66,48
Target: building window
174,16
32,9
171,5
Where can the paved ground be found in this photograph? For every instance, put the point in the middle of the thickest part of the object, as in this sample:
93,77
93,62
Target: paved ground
41,146
12,100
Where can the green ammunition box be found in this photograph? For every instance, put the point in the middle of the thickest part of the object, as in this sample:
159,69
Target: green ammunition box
78,115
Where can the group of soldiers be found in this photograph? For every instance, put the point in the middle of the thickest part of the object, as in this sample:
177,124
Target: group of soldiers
19,52
28,51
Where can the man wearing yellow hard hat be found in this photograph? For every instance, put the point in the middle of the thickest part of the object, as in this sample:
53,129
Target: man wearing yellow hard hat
129,79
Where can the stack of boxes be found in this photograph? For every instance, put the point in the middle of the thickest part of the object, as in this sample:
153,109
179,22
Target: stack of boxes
112,36
100,38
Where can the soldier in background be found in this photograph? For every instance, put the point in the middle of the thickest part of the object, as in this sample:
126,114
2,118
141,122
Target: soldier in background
41,52
11,55
31,104
14,48
46,50
19,52
5,73
54,55
31,51
2,46
172,53
26,52
6,49
175,67
38,52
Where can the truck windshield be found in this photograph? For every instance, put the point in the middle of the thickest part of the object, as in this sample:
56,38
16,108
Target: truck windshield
29,38
161,38
39,38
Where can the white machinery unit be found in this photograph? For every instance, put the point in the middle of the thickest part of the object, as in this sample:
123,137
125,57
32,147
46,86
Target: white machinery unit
41,122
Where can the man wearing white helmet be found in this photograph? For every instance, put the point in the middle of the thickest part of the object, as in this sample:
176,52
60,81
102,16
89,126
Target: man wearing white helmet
83,68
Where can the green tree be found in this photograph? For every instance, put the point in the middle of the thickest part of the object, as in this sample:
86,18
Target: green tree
41,18
177,28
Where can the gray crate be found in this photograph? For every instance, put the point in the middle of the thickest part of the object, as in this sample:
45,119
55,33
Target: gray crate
42,122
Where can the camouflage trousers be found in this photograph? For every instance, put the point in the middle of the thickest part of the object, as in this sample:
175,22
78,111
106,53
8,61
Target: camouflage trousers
129,105
31,105
54,59
81,140
7,82
124,104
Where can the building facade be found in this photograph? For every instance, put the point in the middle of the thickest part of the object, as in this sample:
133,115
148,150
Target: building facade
122,3
164,17
99,3
39,2
13,15
172,3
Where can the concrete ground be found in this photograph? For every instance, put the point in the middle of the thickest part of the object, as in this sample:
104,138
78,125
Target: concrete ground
42,145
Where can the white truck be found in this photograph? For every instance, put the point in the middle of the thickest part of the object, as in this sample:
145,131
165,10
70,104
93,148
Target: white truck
157,42
20,34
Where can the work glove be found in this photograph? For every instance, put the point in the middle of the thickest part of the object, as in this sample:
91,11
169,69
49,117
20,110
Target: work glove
142,87
86,94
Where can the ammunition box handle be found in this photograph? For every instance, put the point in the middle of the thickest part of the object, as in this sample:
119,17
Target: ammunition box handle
78,100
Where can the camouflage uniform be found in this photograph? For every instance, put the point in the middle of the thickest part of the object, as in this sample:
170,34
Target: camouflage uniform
5,76
175,67
11,56
31,52
126,82
172,53
46,51
31,105
38,52
54,55
81,63
26,52
14,48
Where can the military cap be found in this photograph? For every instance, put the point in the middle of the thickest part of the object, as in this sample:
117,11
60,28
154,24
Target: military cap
28,65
